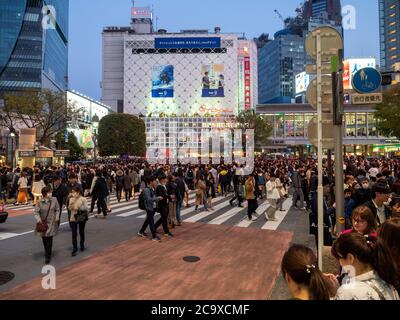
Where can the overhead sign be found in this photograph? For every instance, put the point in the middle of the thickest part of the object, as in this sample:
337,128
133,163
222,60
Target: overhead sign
61,153
142,13
187,43
247,84
372,98
26,154
367,80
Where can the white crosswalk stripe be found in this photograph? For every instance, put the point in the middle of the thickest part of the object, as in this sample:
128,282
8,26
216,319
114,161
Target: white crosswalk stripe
228,215
280,215
205,214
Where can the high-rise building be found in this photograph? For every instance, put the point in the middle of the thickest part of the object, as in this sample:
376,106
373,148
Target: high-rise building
34,45
326,9
279,61
389,23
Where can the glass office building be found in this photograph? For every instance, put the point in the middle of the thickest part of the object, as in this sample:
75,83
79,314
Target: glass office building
279,61
389,24
31,56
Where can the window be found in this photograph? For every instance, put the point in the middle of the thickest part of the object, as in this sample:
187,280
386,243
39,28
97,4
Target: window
361,125
351,124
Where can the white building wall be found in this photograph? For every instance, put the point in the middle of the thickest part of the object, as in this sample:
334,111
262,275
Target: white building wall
187,78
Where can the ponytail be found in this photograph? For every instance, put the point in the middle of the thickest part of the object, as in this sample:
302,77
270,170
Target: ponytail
299,262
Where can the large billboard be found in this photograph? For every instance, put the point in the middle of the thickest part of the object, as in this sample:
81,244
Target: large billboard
302,82
350,68
163,81
85,137
213,81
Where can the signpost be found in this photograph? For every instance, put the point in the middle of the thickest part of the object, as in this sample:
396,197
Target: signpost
367,80
322,44
359,99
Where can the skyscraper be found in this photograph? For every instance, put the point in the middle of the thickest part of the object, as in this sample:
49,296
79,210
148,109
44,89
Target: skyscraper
323,9
389,23
34,44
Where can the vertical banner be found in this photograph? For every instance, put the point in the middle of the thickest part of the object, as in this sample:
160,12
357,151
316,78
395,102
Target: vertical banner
247,84
241,83
163,81
213,81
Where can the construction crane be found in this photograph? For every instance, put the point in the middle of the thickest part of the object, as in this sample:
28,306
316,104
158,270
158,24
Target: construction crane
279,15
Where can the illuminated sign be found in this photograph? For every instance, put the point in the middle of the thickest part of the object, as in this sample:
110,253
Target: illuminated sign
350,68
142,13
302,82
247,84
187,43
204,109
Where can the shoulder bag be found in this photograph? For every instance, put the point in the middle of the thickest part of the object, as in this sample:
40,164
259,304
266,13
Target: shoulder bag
42,226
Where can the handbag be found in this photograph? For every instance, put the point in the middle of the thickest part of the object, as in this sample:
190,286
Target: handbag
42,226
82,215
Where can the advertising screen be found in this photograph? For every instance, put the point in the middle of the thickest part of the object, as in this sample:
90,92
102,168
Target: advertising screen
187,43
163,81
85,137
213,81
350,68
302,82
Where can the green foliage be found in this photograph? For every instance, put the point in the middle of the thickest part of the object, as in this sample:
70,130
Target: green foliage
122,134
262,129
388,113
47,111
76,151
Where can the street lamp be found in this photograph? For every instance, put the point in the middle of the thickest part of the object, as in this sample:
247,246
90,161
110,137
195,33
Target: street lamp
95,122
12,136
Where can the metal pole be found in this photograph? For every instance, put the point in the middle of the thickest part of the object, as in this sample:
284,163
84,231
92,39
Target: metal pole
320,151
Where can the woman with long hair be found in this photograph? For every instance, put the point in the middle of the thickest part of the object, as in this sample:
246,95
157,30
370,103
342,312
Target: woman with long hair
210,190
79,216
302,275
371,269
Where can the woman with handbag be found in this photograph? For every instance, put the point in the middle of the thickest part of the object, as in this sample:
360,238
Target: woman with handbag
47,215
201,193
79,216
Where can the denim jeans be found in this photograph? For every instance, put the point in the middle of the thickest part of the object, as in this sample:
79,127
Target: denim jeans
178,211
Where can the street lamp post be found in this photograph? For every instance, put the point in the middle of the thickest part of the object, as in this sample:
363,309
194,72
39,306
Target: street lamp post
95,122
12,136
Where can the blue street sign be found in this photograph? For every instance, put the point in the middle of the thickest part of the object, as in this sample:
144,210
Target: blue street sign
367,80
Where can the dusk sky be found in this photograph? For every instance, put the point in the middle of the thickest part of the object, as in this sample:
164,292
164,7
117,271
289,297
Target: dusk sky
253,17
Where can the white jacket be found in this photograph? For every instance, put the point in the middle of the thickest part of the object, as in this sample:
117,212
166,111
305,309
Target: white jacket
272,191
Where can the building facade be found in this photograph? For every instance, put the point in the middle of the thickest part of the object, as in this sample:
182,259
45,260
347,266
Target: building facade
290,129
34,45
389,28
325,9
279,61
190,73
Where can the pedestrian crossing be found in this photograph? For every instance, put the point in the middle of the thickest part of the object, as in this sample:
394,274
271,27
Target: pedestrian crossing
223,213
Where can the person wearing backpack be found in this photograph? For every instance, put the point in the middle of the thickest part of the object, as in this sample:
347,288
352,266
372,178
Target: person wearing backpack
148,200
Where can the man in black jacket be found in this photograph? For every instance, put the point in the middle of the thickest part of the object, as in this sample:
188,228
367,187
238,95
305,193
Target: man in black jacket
179,180
101,191
60,192
162,206
380,197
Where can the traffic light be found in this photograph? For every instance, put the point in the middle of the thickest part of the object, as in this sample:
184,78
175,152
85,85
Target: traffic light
387,79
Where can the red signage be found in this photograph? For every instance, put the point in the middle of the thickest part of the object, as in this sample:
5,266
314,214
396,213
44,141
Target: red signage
247,84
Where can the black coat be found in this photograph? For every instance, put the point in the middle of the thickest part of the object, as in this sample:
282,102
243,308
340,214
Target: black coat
161,191
371,205
100,188
61,193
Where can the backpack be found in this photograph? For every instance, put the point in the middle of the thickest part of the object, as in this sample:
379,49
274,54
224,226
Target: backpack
142,204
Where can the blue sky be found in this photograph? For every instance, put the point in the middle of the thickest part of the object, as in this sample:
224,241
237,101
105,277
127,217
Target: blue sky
253,17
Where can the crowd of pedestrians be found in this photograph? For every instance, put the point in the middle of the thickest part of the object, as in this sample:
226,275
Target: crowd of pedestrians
372,208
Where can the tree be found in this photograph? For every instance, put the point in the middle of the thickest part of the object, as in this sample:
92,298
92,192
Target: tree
122,134
388,113
47,111
262,129
76,151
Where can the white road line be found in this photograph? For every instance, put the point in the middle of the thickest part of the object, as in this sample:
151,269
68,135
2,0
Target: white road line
4,236
245,223
227,215
280,215
205,214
